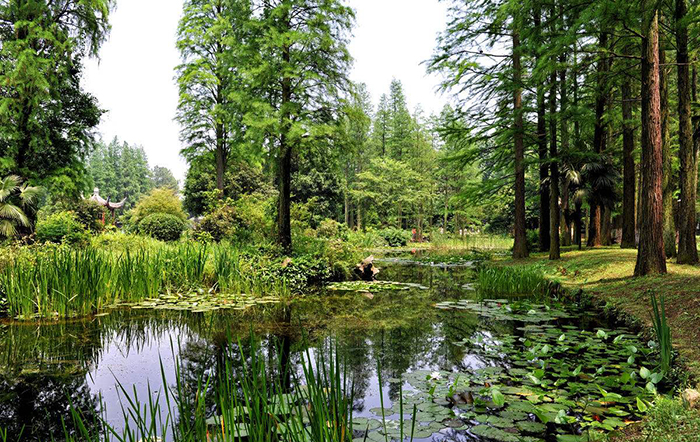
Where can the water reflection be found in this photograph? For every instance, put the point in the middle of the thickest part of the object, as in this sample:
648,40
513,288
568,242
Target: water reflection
45,368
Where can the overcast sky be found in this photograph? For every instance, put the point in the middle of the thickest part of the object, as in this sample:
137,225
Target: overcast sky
134,77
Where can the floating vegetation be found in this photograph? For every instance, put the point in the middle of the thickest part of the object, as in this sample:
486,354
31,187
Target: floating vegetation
200,302
502,309
447,262
373,286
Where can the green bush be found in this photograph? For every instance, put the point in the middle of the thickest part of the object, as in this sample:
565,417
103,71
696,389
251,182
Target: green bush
162,226
219,224
329,228
395,237
90,215
158,201
533,241
60,227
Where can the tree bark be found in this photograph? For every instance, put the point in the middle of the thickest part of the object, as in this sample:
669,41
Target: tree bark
555,216
687,244
629,225
520,246
651,258
284,226
544,215
599,139
667,175
563,112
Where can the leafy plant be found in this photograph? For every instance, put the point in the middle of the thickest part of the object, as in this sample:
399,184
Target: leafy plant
395,237
162,226
663,333
15,199
59,227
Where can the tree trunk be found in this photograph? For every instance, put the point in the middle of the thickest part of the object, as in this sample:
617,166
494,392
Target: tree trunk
651,258
667,178
629,227
578,224
563,111
687,244
555,217
599,139
520,246
544,216
284,226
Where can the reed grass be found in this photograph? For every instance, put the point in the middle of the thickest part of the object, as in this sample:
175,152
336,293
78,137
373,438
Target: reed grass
663,332
67,282
257,402
496,281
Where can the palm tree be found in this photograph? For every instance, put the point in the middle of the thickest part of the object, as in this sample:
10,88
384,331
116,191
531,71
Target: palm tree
15,199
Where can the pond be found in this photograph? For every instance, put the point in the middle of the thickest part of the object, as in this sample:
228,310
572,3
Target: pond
469,368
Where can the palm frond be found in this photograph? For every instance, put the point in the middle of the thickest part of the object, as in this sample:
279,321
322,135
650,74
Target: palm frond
7,229
11,212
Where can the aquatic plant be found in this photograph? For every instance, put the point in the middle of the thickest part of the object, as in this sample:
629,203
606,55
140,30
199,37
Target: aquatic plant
61,281
499,281
663,333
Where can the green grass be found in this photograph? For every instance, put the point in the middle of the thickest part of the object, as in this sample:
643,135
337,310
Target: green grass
48,281
669,420
497,282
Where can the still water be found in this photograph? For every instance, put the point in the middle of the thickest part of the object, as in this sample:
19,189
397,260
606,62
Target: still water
435,354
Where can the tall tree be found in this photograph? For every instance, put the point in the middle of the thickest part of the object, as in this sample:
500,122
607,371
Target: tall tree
209,110
163,177
687,246
651,257
520,246
47,120
629,225
297,62
544,224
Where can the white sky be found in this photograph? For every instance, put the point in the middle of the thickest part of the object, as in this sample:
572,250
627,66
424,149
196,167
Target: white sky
134,78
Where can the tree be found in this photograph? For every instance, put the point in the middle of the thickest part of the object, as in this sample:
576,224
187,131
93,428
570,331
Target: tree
297,64
651,257
46,119
209,111
162,177
16,199
687,246
120,170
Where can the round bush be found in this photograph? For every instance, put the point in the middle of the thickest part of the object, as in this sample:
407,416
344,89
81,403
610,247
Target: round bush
59,227
162,226
395,237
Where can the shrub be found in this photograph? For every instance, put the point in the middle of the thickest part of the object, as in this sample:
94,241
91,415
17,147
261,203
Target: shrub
533,241
329,228
161,201
220,223
395,237
90,215
60,227
162,226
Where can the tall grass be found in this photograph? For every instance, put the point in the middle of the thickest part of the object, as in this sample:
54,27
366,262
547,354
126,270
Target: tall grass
472,241
496,281
68,282
255,402
663,333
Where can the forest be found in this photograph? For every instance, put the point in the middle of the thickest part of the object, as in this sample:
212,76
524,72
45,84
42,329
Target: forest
337,263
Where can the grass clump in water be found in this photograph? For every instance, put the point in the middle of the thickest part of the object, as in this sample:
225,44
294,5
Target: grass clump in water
497,281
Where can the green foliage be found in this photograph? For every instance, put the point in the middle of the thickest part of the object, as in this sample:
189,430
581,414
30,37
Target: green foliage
330,228
498,281
533,241
663,333
47,119
158,201
15,200
60,227
220,223
90,215
120,170
395,237
162,177
669,420
162,226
